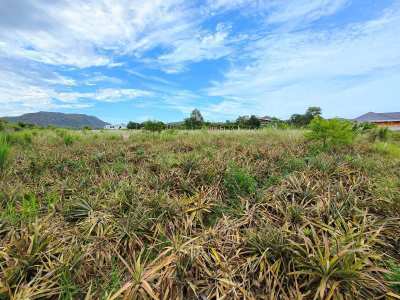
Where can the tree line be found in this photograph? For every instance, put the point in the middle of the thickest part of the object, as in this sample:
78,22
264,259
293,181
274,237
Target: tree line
196,121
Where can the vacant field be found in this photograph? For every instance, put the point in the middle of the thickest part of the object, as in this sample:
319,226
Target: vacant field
198,215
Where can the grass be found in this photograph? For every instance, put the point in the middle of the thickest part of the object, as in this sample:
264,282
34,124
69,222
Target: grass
198,215
389,149
4,151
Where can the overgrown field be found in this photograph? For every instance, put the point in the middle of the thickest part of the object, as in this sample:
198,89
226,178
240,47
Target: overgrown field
197,215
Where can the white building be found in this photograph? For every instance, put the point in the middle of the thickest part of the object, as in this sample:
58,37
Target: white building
115,126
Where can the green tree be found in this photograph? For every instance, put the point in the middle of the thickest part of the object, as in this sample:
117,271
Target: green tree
305,119
241,121
154,126
196,115
313,112
133,125
195,121
331,133
253,122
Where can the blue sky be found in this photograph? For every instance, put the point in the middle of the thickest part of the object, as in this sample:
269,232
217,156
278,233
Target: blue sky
136,60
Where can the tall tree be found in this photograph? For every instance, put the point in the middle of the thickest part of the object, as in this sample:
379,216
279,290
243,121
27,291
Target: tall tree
305,119
254,122
314,111
196,116
195,121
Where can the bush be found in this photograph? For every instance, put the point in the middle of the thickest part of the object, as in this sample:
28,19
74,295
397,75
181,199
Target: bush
134,125
245,122
154,126
20,137
4,151
388,149
239,182
363,127
379,133
68,140
332,133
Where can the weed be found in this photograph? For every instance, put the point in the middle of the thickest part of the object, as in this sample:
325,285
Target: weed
238,182
388,149
29,207
68,140
379,133
4,152
394,276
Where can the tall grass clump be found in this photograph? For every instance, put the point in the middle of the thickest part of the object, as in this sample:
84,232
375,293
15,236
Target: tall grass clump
68,140
4,151
389,149
379,134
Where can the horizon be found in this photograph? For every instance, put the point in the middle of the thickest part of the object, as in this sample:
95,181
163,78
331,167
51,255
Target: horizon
182,120
127,61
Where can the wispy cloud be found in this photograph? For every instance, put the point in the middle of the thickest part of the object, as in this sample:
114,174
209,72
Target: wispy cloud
284,68
269,55
89,33
202,46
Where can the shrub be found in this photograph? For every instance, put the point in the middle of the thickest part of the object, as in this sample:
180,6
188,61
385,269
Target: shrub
239,182
133,125
4,151
68,140
154,126
387,149
22,138
332,133
379,133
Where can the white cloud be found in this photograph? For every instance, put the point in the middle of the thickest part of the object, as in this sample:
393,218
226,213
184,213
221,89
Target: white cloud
279,11
202,46
22,93
96,78
302,10
289,71
89,33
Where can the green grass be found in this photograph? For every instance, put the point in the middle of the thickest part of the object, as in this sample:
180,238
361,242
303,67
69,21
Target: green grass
4,151
389,149
197,214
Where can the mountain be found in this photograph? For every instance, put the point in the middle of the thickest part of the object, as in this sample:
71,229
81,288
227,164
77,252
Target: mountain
57,119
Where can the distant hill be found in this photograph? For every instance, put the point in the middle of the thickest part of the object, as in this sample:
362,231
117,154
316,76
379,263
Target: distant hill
44,118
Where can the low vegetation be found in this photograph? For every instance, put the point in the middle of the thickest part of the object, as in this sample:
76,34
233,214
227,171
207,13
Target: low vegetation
262,214
4,151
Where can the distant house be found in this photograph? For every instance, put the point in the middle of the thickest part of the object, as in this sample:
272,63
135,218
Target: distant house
265,120
115,126
391,120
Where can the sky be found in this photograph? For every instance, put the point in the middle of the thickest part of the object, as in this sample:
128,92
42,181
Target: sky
138,60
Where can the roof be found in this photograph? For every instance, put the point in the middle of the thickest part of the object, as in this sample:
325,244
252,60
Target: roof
379,117
265,118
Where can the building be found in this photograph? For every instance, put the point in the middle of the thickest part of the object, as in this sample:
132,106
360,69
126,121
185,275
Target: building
391,120
115,126
265,120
